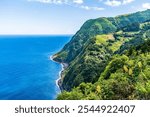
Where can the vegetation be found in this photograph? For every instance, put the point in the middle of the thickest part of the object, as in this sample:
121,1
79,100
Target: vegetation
94,27
102,39
108,59
126,76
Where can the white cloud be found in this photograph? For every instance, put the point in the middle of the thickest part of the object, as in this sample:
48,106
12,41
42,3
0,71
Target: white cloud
92,8
51,1
74,3
127,1
146,5
115,3
78,1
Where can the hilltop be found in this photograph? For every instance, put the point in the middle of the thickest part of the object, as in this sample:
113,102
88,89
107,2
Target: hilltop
108,58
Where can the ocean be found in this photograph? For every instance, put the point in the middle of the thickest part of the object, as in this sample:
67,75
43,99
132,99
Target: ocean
26,71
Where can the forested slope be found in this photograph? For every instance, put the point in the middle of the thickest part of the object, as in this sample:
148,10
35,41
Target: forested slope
105,54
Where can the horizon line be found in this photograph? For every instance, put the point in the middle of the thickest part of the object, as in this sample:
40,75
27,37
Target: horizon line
34,34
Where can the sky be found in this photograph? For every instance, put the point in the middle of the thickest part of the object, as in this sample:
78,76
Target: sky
54,17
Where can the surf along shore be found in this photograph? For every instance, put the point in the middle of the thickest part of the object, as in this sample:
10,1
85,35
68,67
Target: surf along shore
60,79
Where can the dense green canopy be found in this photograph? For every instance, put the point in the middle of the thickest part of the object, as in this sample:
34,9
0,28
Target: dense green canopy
108,59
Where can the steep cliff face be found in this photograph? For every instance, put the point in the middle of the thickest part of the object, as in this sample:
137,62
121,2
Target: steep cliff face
93,27
93,46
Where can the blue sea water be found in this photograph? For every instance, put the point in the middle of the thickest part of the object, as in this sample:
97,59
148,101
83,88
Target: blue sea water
26,71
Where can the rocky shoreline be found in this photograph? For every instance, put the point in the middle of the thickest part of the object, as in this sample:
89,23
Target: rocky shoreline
59,80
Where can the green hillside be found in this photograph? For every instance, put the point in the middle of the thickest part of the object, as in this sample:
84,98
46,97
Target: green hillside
126,76
107,54
93,27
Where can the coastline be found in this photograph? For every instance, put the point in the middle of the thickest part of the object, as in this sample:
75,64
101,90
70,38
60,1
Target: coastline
59,80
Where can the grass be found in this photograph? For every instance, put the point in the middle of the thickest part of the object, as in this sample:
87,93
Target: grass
116,45
102,39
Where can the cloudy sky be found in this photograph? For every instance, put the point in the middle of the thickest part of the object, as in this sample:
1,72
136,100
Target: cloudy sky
59,16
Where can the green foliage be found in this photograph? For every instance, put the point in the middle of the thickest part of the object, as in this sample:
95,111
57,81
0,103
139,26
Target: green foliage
132,27
116,63
102,39
74,95
116,87
143,90
125,68
124,77
115,46
94,27
108,59
130,71
86,67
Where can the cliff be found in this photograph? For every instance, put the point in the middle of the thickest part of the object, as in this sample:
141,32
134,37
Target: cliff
105,53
